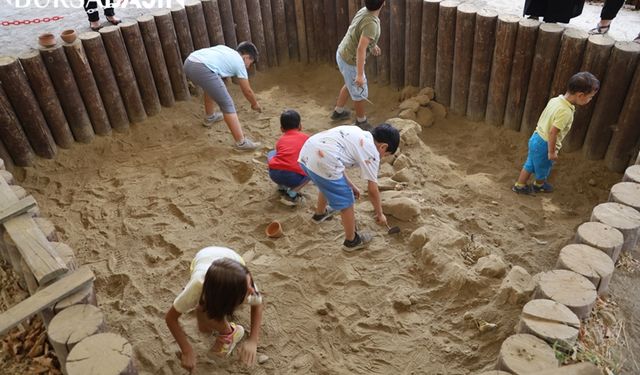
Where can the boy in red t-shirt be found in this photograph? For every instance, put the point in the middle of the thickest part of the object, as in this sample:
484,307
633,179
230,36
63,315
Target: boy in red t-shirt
284,169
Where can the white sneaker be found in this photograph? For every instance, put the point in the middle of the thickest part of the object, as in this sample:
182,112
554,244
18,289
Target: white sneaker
247,145
213,118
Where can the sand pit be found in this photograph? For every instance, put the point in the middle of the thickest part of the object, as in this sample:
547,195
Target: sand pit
137,206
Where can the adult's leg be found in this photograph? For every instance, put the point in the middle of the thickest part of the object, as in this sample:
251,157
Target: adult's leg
91,7
360,110
349,223
343,96
109,12
209,105
233,123
610,11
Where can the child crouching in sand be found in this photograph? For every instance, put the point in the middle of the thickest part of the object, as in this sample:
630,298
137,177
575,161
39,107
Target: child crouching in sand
219,283
324,158
554,124
284,169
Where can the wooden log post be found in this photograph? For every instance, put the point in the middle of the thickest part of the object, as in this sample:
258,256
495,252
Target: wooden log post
520,73
125,77
331,26
142,69
623,218
157,62
428,42
86,295
197,24
397,43
627,193
319,24
44,91
47,228
105,79
542,71
342,18
257,33
171,51
445,51
213,22
462,58
353,6
572,47
73,325
13,137
88,87
589,262
228,24
270,31
551,322
483,44
596,58
24,103
601,236
525,354
620,70
109,352
301,29
502,61
241,18
632,174
292,30
312,48
382,61
625,137
62,77
582,368
413,38
280,30
568,288
183,33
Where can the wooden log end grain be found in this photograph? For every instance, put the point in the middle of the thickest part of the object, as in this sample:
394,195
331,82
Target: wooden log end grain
627,193
73,325
110,353
588,262
526,354
601,236
568,288
623,218
86,295
551,321
632,174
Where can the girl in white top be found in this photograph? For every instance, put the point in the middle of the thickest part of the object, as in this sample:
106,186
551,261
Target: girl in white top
219,283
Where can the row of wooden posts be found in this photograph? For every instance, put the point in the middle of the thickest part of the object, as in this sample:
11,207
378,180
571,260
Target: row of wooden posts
61,292
565,297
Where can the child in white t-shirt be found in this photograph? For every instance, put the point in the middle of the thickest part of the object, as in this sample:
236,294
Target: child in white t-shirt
324,158
219,283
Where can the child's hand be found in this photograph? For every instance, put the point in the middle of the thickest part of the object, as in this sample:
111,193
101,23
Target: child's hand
381,219
188,360
356,191
553,155
256,107
248,352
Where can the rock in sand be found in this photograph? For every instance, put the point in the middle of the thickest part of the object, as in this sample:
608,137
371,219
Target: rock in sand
402,208
517,287
491,266
419,238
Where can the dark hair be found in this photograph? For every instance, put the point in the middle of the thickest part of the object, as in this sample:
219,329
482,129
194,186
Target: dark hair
248,48
224,288
373,4
289,119
385,133
583,82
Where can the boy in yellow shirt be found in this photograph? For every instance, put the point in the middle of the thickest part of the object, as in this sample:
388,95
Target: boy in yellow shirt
554,124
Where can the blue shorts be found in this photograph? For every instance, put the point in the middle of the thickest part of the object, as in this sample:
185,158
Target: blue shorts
289,179
349,73
538,161
338,192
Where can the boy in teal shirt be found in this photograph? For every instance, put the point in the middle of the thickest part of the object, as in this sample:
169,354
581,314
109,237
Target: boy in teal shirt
554,124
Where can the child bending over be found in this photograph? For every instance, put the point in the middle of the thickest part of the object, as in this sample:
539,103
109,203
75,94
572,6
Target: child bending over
219,283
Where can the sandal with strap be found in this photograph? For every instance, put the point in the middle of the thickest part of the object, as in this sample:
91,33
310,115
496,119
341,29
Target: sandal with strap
95,28
599,30
113,20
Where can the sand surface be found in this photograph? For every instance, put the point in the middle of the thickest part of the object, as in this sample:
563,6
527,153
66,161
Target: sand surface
137,206
15,39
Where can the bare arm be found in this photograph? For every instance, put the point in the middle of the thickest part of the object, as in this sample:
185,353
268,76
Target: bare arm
361,56
248,352
374,197
553,138
245,87
188,357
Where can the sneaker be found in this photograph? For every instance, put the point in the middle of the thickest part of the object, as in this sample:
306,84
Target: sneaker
344,115
282,189
213,118
327,215
361,241
544,188
289,200
364,125
247,145
526,189
227,342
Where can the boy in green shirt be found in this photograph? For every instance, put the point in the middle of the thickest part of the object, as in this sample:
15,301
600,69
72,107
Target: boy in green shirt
360,40
554,124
